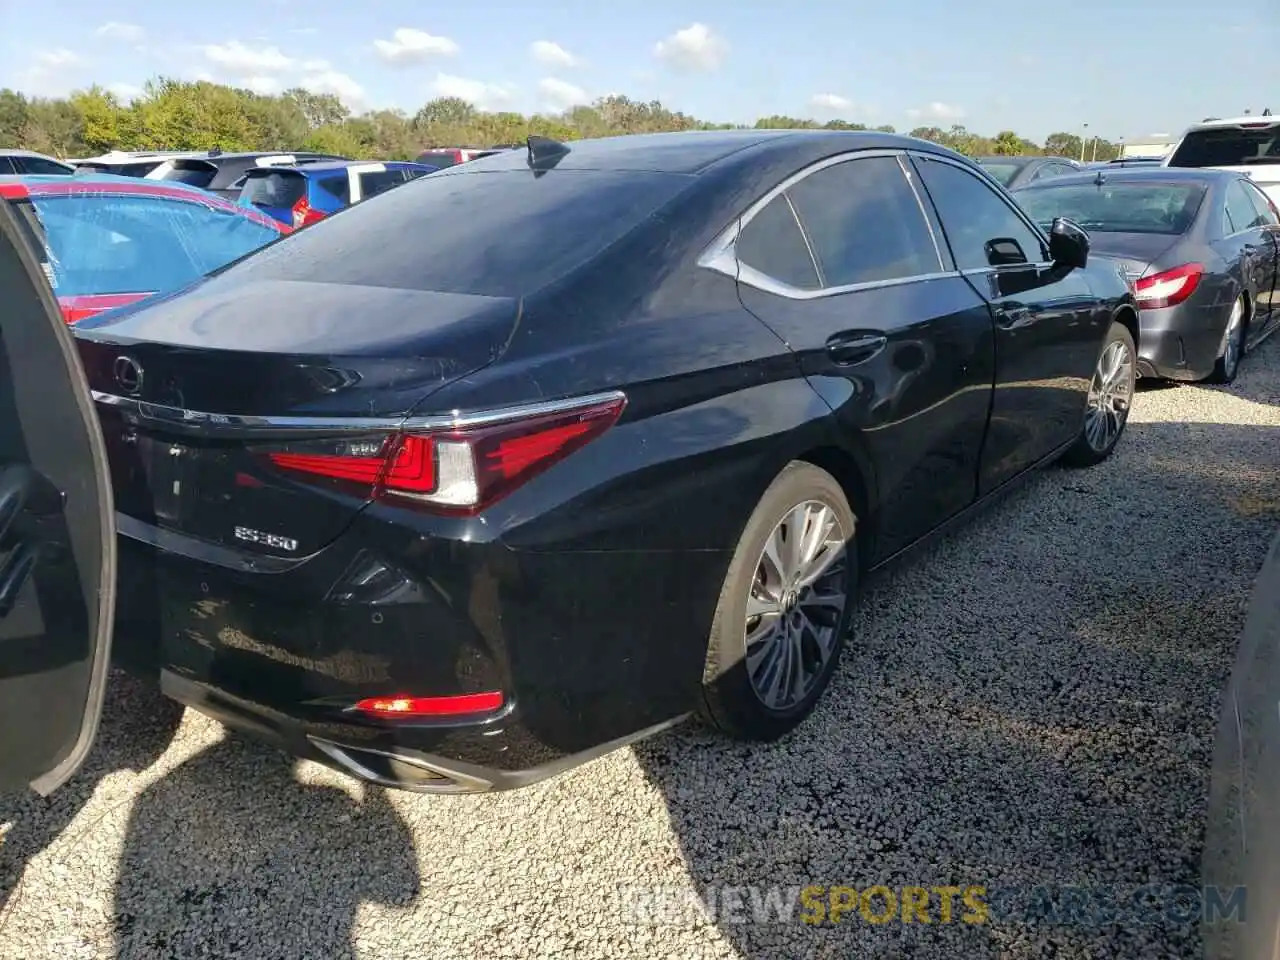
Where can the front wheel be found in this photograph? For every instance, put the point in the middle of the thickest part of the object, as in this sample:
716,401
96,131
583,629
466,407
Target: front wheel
784,608
1110,398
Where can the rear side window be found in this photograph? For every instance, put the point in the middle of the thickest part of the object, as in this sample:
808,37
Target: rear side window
1120,206
864,223
337,186
1228,147
273,188
773,244
100,244
6,166
501,234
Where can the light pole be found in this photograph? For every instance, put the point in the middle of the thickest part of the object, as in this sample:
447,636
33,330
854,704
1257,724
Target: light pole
1094,158
1083,134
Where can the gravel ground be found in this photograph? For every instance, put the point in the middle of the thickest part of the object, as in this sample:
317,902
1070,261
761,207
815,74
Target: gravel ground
1030,702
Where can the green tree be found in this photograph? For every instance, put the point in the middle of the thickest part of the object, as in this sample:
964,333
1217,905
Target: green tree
13,116
1007,144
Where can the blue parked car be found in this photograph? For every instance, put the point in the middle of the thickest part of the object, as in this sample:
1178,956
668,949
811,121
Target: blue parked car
303,193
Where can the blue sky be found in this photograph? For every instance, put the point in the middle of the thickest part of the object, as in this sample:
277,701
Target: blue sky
1126,67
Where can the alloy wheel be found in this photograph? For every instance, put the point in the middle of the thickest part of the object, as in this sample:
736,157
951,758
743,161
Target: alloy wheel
796,604
1110,396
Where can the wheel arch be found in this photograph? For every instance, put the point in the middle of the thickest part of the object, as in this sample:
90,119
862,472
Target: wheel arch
854,474
1127,317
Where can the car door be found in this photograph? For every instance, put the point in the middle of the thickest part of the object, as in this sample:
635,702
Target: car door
1047,324
1267,305
57,535
842,263
1246,242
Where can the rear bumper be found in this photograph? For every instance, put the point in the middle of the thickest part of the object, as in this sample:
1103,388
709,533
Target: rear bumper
1179,343
382,756
591,649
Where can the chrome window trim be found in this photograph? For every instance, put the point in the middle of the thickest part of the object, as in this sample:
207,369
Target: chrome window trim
721,256
909,172
207,424
804,235
1000,195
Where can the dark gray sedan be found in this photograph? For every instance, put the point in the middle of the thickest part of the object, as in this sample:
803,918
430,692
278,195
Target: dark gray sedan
1015,172
1202,249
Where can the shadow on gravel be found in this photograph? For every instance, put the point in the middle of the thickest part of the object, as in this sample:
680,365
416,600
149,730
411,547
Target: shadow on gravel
138,725
1032,703
230,856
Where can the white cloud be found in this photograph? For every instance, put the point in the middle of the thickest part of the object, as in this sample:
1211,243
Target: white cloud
124,92
243,60
552,54
127,32
558,95
262,84
57,59
339,84
693,48
481,95
936,111
408,45
831,102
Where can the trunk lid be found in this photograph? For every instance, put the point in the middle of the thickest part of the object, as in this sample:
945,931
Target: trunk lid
1135,252
194,392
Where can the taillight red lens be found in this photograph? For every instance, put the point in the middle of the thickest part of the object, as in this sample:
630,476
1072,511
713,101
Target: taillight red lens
419,707
300,209
1168,288
462,469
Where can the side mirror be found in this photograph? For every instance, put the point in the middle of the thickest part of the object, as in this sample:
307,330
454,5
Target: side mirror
1003,251
1068,243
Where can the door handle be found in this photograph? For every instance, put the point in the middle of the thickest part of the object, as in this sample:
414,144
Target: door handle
847,349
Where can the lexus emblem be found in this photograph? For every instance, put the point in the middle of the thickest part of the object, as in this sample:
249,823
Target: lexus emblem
128,375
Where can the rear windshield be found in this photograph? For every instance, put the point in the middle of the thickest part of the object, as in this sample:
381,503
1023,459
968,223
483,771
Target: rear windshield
139,169
1228,147
1004,172
439,158
500,234
103,244
273,188
1117,207
196,174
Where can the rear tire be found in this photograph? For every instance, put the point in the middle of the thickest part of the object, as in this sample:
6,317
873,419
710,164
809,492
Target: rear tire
1233,343
781,620
1109,401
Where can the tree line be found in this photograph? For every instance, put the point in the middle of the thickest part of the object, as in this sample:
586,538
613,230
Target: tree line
181,115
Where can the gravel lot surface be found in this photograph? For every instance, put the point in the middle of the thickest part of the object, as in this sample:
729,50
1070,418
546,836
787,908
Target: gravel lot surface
1030,702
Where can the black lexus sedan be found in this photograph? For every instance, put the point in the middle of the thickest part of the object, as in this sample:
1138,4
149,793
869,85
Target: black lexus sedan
550,450
1202,247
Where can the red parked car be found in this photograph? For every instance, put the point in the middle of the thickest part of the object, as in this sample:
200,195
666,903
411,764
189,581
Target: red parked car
107,241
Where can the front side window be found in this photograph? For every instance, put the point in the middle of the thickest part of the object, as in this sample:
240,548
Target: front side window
102,244
1241,213
375,182
773,244
864,223
973,215
1266,209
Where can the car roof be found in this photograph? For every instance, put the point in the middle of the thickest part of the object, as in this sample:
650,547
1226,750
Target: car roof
1248,120
7,152
1141,174
1018,161
687,152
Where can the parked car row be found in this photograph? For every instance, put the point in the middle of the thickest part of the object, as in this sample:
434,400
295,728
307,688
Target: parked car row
1199,237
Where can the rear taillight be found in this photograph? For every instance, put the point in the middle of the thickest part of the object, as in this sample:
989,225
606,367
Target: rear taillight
304,213
1168,288
460,469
